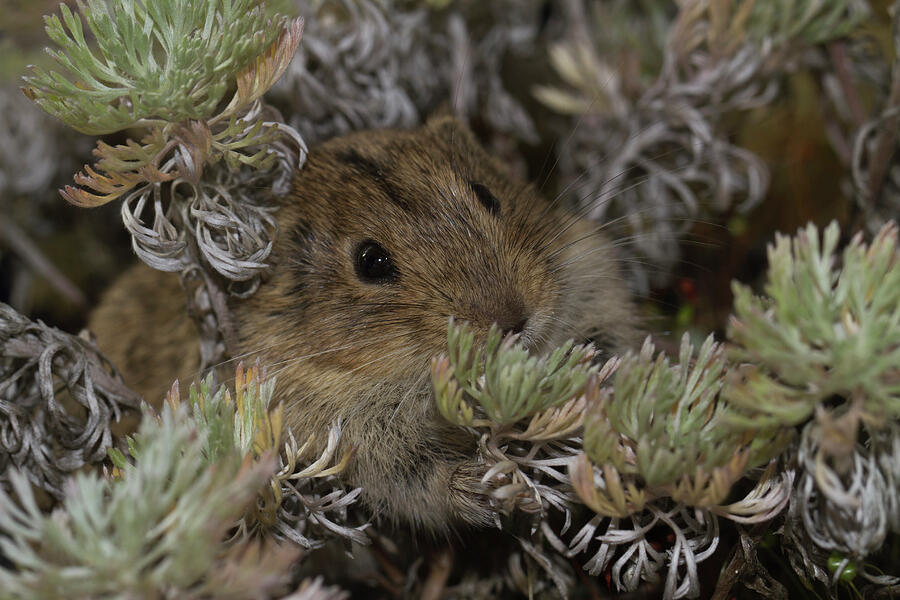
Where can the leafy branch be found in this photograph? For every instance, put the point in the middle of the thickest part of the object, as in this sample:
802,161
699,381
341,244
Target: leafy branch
163,67
175,514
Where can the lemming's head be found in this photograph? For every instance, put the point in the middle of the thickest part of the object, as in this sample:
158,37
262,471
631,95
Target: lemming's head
389,233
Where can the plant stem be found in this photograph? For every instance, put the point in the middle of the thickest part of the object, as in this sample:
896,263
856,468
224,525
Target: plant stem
887,134
838,54
18,242
441,564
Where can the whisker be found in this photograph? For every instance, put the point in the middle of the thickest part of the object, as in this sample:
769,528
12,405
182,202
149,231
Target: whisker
410,392
381,358
577,216
604,197
295,359
196,375
541,220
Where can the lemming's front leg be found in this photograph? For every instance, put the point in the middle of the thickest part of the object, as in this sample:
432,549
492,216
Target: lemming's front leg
429,484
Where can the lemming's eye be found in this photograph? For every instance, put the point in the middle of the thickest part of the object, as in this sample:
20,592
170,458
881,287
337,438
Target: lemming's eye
487,199
374,264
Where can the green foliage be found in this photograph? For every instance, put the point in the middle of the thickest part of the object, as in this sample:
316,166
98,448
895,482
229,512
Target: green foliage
823,356
506,382
663,431
245,423
231,426
156,526
163,67
786,26
167,60
823,330
171,519
805,21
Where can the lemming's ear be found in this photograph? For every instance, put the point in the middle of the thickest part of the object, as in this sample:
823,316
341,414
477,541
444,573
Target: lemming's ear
442,120
445,126
441,111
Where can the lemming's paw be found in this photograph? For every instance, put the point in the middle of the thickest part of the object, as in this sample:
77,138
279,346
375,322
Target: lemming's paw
469,496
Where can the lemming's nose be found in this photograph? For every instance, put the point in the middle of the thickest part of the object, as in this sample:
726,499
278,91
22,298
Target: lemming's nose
509,314
512,324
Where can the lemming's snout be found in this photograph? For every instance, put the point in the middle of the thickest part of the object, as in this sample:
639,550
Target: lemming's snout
508,311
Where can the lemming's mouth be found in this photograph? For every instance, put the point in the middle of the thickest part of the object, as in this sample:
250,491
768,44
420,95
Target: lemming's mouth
544,331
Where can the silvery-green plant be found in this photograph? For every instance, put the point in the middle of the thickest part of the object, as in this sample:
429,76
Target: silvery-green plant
526,411
526,414
164,61
303,502
59,398
155,526
190,178
822,351
647,145
503,380
826,326
654,449
659,451
162,67
173,516
662,432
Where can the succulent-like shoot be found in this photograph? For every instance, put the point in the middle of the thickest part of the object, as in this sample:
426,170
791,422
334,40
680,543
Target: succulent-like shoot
158,525
166,61
176,511
248,423
503,380
660,451
822,351
663,432
162,68
827,329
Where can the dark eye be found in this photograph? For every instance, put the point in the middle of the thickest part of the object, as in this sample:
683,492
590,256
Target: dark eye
487,199
374,264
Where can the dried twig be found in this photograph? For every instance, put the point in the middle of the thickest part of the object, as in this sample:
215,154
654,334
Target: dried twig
885,140
438,573
18,242
58,399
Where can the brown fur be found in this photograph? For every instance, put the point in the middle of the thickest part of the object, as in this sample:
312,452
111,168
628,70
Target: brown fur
360,351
